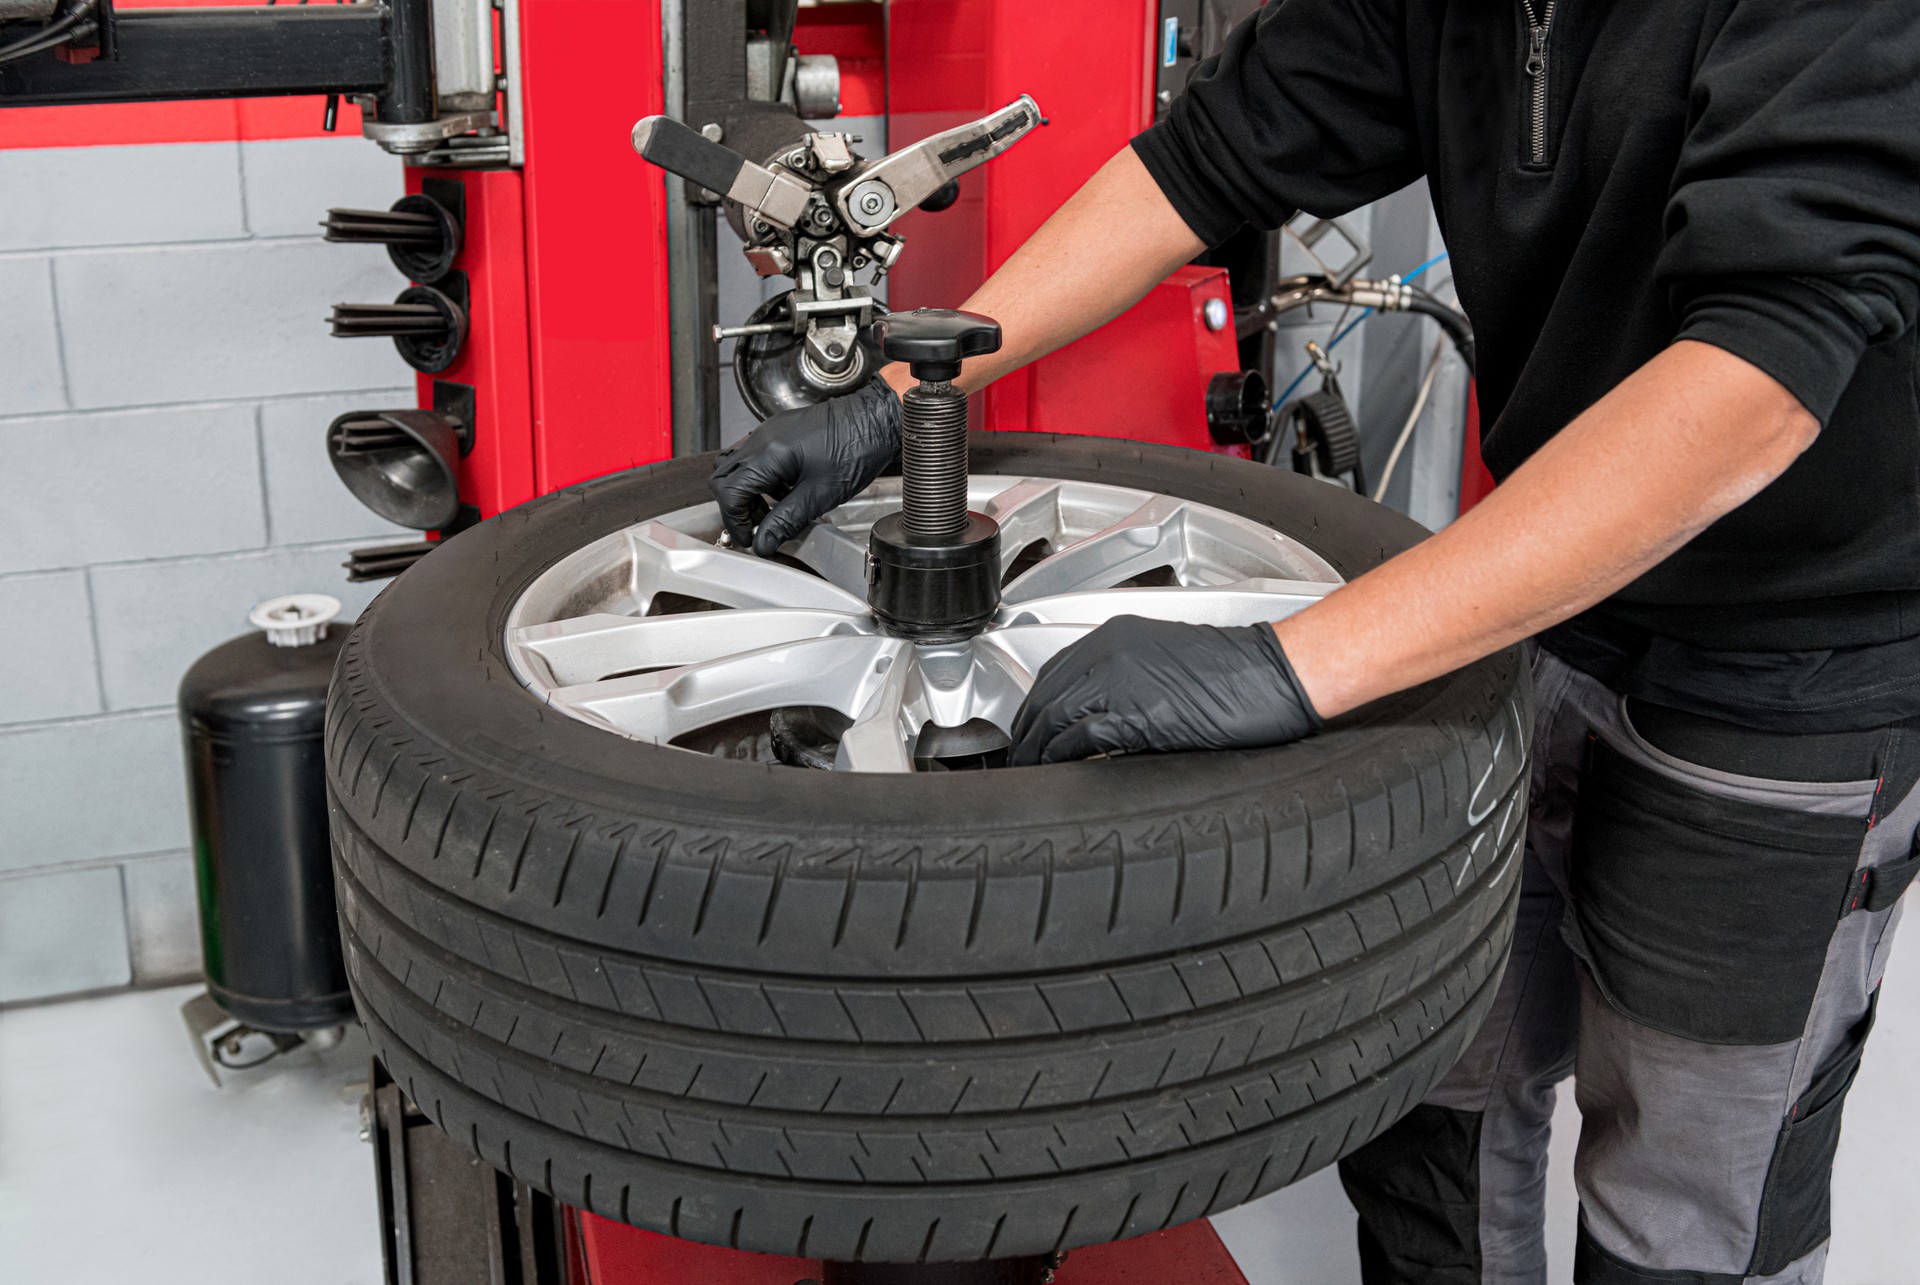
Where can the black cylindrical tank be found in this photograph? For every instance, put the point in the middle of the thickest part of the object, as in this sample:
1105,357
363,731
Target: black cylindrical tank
253,711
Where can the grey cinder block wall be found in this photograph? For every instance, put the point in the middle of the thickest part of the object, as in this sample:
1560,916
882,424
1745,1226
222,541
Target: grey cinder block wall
166,379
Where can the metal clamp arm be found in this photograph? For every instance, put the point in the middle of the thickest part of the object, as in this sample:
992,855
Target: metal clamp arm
912,174
777,198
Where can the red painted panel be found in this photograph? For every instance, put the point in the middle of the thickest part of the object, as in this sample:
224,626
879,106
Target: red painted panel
293,118
620,1255
856,35
97,125
1476,482
1143,376
1090,67
596,239
496,356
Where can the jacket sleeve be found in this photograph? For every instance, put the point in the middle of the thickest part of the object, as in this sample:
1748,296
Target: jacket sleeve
1793,230
1306,108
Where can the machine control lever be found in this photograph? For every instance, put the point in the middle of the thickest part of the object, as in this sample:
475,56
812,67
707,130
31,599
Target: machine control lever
779,199
902,180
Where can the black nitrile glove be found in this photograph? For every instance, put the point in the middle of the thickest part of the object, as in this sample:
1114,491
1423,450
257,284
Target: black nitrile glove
1135,684
810,460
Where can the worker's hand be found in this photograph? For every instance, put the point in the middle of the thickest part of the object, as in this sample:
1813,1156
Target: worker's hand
1135,684
809,460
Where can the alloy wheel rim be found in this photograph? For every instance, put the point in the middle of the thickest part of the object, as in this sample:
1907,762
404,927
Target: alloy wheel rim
658,633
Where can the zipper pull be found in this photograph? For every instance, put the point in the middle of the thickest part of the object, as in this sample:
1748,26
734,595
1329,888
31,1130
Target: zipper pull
1536,51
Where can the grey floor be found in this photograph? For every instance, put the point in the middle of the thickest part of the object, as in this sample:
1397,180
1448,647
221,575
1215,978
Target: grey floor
120,1163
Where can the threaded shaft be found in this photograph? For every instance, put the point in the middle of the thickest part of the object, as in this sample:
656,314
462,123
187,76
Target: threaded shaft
933,461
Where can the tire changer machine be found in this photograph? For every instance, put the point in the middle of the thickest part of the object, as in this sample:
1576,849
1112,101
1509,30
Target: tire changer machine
562,316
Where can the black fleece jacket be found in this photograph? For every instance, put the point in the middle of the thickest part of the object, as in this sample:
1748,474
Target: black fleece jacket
1610,176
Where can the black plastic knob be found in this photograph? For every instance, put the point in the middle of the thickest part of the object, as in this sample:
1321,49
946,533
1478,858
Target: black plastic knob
934,341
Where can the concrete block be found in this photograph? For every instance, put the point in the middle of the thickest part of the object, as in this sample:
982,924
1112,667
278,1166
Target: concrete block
46,634
154,619
291,183
78,489
31,376
163,919
94,788
217,322
137,195
61,933
306,501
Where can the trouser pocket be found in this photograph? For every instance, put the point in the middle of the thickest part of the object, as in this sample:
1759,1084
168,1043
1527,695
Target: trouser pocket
1698,914
1795,1205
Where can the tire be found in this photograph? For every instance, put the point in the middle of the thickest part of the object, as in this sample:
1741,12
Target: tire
909,1018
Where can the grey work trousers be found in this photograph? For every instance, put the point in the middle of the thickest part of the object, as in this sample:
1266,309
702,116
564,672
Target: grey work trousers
1701,949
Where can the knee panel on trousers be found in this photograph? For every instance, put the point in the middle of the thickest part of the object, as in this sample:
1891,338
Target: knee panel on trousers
1704,916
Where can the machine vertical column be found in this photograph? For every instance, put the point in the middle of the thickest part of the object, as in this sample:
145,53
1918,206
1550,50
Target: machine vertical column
596,242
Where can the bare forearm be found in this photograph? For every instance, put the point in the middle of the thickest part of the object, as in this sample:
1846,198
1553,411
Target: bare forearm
1095,258
1689,437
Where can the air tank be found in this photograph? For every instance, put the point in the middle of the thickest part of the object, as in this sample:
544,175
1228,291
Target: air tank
253,710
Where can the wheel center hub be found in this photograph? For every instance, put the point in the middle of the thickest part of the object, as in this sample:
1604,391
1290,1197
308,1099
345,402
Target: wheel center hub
933,591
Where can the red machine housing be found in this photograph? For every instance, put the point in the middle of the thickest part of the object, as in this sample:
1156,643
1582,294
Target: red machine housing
1090,65
499,471
622,1255
566,267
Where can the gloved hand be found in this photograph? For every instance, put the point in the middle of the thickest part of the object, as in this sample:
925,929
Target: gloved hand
1135,684
810,460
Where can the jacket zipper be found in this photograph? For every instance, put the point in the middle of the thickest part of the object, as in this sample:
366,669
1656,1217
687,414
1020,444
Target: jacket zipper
1539,25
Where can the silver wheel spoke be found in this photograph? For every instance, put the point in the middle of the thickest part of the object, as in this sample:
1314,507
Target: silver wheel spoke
1027,648
670,561
840,672
1028,510
585,649
1249,602
883,734
836,553
1151,537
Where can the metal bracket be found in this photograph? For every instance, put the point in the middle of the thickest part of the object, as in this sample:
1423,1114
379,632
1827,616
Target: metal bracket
510,90
421,137
223,1042
1308,236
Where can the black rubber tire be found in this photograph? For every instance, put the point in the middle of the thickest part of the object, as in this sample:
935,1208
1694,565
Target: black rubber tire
934,1017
